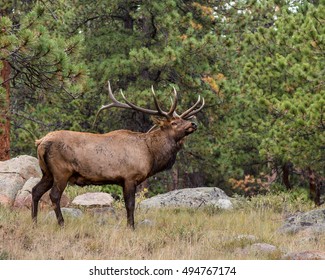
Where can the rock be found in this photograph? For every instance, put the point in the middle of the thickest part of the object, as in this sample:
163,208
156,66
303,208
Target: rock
67,212
305,255
15,172
25,166
93,199
10,184
258,249
190,198
29,185
23,201
24,196
313,221
246,237
5,200
45,201
146,223
263,248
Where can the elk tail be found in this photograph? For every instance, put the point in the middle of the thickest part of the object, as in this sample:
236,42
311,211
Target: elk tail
42,155
38,141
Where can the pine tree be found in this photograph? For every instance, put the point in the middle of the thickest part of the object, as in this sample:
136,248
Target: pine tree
282,89
40,61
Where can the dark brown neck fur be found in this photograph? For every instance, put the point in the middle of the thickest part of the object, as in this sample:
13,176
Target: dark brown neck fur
163,149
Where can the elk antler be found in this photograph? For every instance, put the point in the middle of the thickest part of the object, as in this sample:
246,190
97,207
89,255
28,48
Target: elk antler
129,105
191,111
159,112
172,109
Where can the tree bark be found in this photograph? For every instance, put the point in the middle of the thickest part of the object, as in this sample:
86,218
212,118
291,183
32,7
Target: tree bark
314,187
285,175
5,113
174,175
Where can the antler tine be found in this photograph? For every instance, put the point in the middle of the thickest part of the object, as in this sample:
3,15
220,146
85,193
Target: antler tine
190,112
101,109
135,107
174,113
115,103
194,112
152,128
161,112
172,109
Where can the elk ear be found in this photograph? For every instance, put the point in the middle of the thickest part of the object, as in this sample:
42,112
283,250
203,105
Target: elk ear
158,121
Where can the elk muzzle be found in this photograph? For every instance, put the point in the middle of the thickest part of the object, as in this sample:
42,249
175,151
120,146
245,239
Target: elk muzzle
191,128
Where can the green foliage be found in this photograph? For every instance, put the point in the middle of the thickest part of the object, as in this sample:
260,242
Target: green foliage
114,190
278,115
73,191
46,71
278,200
289,75
282,202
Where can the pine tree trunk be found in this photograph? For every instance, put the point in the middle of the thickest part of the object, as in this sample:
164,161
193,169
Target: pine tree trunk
285,175
4,115
314,187
174,173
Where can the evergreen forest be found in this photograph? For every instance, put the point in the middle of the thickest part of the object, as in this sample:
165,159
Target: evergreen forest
259,65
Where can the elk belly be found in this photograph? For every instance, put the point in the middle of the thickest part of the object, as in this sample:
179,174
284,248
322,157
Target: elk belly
77,179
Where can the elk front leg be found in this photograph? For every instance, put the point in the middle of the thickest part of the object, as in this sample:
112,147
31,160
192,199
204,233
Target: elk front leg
37,192
129,200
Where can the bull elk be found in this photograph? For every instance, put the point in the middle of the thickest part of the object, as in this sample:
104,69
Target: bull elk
121,157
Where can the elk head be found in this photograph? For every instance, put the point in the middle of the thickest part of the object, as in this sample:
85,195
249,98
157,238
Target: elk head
178,126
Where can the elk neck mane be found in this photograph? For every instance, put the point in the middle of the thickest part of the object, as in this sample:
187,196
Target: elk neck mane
163,149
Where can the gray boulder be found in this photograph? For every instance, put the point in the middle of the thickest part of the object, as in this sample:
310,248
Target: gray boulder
23,197
5,200
313,221
93,199
260,250
15,172
190,198
263,247
10,184
25,166
246,237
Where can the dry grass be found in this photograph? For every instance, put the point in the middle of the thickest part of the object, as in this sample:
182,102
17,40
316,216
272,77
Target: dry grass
175,234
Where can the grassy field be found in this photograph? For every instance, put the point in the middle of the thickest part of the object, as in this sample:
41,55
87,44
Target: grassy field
174,234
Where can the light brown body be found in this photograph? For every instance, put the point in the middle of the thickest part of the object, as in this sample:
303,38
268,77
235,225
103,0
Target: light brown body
85,158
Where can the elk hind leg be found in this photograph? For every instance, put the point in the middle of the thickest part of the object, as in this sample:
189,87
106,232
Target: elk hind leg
37,192
55,196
